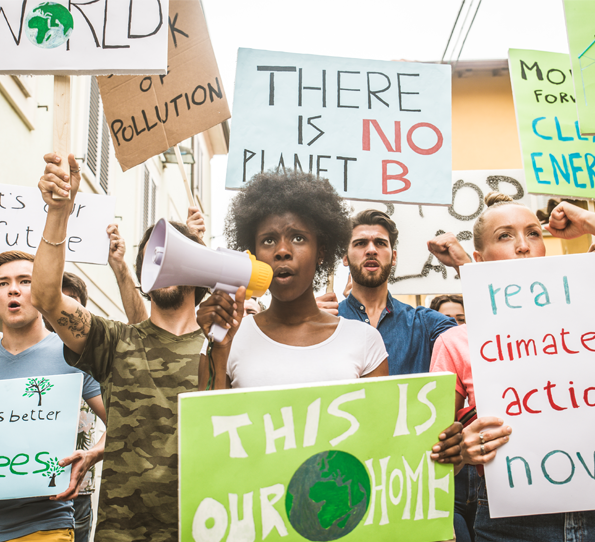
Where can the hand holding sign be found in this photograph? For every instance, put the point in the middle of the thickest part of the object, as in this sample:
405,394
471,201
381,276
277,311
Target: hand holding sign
56,181
476,434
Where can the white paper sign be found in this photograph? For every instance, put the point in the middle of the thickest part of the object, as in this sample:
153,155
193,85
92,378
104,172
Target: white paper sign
379,131
38,427
22,220
99,37
418,271
532,344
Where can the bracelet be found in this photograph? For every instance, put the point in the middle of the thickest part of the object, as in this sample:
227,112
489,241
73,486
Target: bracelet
54,244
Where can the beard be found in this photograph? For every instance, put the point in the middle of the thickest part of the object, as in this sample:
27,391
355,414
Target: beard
171,299
359,276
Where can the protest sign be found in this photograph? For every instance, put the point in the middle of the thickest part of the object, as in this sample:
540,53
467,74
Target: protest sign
581,42
379,131
38,426
22,220
148,115
78,38
557,159
336,460
531,345
417,270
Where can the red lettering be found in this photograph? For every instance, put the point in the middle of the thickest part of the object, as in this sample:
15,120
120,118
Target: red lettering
548,389
419,150
583,340
483,355
366,135
562,333
586,396
572,395
499,344
399,177
526,400
516,402
548,347
526,344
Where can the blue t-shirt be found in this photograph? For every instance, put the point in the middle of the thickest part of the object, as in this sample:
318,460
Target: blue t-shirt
408,333
21,517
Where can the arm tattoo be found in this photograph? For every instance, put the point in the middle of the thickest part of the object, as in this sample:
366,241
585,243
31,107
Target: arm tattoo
78,324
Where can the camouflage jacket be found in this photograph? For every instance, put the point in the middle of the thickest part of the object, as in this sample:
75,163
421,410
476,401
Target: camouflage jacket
142,369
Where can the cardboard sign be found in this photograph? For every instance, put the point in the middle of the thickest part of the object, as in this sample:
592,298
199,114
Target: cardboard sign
345,460
100,37
22,220
148,115
557,159
418,271
581,42
38,427
532,345
379,131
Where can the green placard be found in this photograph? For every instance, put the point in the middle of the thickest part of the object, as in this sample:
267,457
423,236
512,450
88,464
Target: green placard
557,159
345,460
580,27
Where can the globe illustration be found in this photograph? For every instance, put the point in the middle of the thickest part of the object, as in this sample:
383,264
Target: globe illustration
328,496
49,25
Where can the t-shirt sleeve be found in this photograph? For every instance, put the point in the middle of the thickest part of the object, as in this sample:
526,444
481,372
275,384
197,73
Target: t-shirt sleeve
375,350
437,323
98,356
90,387
443,360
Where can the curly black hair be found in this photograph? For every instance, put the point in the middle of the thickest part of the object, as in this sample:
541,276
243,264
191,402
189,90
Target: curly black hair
276,192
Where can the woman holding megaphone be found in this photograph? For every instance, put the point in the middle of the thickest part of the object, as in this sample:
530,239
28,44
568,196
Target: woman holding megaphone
299,225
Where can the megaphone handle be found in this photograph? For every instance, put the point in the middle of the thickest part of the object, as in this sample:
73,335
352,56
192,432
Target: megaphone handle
217,333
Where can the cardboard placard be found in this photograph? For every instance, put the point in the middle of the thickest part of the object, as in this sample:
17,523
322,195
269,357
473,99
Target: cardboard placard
22,220
148,115
417,270
581,43
99,37
532,343
345,460
379,131
557,159
38,426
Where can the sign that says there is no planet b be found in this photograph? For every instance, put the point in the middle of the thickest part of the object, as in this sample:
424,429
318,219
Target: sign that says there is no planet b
379,131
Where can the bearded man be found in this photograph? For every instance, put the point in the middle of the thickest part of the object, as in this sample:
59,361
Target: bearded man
409,333
142,368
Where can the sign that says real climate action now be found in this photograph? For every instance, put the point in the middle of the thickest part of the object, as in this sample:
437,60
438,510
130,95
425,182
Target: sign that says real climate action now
532,345
379,131
343,460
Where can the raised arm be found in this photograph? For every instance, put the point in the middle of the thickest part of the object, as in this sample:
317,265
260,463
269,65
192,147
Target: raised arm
449,251
69,319
568,221
133,304
196,222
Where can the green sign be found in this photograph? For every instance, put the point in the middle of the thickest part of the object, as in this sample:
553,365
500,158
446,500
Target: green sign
557,159
325,462
580,17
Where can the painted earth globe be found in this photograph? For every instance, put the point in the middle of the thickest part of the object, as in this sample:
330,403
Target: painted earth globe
49,25
328,496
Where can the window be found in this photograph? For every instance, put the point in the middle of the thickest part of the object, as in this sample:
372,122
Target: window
98,139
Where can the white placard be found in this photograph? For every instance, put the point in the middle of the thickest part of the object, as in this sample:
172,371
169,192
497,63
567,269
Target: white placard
100,37
418,271
38,426
532,344
22,220
379,131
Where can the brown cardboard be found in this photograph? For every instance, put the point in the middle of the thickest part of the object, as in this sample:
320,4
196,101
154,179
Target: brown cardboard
148,115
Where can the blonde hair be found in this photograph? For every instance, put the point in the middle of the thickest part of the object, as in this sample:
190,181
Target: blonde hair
492,200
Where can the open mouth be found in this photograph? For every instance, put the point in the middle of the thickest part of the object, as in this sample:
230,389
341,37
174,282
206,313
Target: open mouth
14,305
283,273
371,265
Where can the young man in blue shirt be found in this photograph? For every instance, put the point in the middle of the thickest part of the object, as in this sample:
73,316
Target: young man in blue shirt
409,333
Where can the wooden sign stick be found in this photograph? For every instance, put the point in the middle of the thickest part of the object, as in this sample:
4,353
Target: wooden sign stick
330,285
62,122
185,179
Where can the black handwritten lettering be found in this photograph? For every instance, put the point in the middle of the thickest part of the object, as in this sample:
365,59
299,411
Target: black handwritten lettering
339,89
174,29
136,130
175,102
377,91
20,201
301,88
534,65
1,206
116,127
159,113
81,207
320,132
29,230
146,84
246,160
401,92
318,166
159,25
105,45
346,161
274,69
218,92
204,95
16,39
149,128
76,5
74,240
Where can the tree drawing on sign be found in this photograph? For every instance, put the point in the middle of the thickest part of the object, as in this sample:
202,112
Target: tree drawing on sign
54,469
39,386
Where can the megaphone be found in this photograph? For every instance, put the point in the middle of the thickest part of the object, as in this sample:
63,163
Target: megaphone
171,259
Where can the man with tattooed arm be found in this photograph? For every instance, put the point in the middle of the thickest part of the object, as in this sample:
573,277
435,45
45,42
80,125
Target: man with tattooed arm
142,368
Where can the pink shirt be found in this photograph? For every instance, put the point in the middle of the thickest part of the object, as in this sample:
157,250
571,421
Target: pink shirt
451,353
